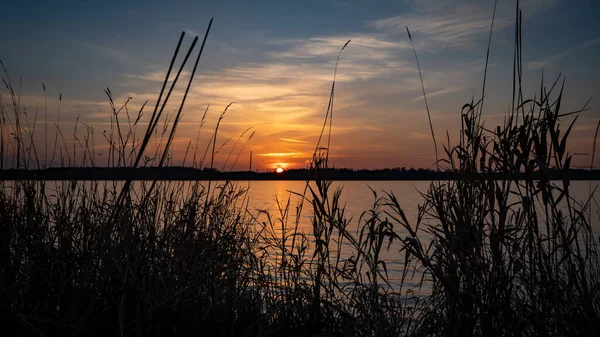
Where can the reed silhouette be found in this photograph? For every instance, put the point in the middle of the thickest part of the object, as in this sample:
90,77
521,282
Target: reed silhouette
492,257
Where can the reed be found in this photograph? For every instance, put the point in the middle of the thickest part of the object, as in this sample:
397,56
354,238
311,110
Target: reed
509,257
491,257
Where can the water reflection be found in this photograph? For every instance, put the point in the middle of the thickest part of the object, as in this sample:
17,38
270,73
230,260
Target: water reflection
357,197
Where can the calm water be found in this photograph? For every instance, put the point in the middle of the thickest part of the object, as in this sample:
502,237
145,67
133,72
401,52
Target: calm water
358,197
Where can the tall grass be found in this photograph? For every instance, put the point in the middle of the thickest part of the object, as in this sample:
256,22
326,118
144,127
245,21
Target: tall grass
491,257
508,257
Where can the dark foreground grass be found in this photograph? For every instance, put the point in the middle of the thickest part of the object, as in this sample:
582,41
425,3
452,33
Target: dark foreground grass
511,257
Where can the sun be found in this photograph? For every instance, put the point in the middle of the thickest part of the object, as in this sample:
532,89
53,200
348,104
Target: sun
279,170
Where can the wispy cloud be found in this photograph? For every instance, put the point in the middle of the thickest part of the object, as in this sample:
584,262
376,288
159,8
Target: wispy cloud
247,91
282,90
553,60
114,53
444,24
454,23
285,95
281,154
157,75
293,140
372,46
440,92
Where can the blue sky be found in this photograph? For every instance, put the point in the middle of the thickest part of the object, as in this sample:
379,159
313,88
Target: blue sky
275,60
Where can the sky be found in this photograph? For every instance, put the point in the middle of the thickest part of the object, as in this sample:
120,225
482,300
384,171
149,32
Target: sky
274,60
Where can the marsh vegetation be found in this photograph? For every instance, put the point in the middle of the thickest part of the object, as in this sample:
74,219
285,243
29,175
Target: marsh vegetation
498,257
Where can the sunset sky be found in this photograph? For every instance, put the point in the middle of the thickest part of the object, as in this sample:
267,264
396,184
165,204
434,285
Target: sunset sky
275,61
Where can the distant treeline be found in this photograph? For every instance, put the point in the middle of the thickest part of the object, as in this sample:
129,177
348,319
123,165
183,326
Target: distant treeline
184,173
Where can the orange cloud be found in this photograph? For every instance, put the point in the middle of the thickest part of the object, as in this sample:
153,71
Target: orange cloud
293,140
281,154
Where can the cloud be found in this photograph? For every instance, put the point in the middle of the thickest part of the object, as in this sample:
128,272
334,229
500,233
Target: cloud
444,91
419,135
247,91
293,140
553,60
443,24
286,95
158,75
436,24
114,53
371,46
367,56
283,90
282,154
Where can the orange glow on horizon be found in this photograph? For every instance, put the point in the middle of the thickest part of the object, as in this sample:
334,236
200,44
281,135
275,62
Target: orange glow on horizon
283,166
281,154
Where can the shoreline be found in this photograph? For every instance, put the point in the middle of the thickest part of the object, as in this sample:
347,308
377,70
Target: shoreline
183,173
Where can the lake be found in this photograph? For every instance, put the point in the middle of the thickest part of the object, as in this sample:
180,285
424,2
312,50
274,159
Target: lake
358,197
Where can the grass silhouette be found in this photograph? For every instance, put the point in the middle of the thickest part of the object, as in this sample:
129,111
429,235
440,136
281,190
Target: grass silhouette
499,257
